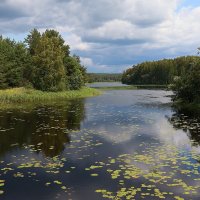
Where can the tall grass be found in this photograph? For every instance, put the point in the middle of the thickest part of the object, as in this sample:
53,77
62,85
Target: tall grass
22,95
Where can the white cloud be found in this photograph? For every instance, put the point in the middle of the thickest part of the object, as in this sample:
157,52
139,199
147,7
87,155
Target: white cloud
107,31
86,61
76,42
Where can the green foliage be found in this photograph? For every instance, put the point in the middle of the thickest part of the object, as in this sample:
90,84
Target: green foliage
183,75
187,87
32,41
74,74
48,69
158,72
13,61
103,77
43,62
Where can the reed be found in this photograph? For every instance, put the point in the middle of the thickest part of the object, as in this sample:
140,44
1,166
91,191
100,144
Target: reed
22,95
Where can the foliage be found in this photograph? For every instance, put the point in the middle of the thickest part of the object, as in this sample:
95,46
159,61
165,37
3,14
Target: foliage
183,75
48,69
13,61
73,73
103,77
187,87
158,72
43,62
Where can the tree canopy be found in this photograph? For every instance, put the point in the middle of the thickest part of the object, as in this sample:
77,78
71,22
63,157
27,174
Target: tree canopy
183,75
43,61
159,72
104,77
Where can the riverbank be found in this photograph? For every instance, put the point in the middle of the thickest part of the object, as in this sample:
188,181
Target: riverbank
133,87
24,95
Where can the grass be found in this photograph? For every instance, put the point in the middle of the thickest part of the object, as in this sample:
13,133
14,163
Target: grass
23,95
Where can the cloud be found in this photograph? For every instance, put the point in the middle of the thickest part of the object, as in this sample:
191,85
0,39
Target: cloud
110,33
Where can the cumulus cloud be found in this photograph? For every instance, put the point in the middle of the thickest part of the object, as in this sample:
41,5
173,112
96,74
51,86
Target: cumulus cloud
111,34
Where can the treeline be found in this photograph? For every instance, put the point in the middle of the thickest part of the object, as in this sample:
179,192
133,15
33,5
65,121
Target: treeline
42,61
159,72
104,77
183,75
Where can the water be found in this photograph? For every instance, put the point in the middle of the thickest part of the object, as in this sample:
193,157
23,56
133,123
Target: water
124,144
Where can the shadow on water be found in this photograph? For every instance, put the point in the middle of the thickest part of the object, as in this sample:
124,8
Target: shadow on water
44,128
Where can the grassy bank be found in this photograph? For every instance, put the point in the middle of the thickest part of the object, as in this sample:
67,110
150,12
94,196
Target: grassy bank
23,95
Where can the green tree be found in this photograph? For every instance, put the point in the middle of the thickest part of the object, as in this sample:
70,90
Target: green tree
48,70
32,41
13,61
159,72
74,77
187,87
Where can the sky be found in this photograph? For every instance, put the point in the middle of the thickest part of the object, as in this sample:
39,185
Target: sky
110,35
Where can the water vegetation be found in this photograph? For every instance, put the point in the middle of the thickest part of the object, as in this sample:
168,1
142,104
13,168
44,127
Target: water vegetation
58,149
155,171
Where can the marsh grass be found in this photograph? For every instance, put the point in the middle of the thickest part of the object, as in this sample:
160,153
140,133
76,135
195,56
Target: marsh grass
23,95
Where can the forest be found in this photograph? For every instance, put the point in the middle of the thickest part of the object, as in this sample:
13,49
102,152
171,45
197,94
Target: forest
182,74
104,77
42,62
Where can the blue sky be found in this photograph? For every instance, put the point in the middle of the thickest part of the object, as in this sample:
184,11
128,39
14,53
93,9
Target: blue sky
110,36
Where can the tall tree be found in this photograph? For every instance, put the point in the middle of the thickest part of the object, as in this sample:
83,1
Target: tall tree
73,73
13,61
48,70
32,41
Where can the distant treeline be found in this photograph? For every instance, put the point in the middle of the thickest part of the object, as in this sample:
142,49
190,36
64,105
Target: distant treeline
42,61
159,72
182,73
103,77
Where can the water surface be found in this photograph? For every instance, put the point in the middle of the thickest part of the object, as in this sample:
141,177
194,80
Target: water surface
124,144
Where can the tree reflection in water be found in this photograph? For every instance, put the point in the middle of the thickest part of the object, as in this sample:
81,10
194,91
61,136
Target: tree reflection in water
43,128
189,121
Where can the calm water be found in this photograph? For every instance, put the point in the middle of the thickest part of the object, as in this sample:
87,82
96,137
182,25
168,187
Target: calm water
124,144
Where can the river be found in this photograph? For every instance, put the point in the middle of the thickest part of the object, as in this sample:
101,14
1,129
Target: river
123,144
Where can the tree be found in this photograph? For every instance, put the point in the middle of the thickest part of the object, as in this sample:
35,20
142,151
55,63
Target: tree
48,69
187,87
32,41
74,75
13,61
159,72
43,61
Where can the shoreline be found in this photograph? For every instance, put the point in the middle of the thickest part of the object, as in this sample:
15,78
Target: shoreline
24,95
